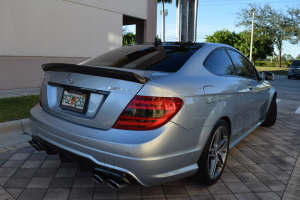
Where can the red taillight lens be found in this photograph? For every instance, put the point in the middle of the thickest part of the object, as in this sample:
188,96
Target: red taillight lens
147,113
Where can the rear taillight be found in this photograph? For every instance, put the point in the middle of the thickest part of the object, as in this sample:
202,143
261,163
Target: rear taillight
147,113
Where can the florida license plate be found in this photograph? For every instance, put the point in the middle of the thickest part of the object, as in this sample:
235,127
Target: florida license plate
74,100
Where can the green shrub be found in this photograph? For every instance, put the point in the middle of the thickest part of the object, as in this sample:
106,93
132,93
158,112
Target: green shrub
271,64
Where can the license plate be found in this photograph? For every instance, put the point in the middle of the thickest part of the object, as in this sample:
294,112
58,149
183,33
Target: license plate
74,100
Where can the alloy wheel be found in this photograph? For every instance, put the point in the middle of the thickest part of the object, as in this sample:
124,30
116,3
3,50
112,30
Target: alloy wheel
217,152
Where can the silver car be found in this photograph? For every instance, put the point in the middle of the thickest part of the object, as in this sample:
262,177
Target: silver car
152,113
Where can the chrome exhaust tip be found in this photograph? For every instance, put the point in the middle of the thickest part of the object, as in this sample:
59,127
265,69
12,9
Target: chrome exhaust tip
115,185
36,145
97,178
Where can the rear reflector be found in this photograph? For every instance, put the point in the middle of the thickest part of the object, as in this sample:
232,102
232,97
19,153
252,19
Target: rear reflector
148,113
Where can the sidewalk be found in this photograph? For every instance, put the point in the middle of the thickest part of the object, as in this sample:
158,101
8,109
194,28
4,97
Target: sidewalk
19,92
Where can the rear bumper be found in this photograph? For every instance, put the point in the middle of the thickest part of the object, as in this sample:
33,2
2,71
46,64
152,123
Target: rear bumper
147,157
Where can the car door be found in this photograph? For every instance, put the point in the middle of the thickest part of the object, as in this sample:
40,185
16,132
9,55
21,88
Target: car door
230,91
255,89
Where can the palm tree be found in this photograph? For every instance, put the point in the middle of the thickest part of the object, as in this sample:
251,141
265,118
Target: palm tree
178,5
186,19
163,13
188,23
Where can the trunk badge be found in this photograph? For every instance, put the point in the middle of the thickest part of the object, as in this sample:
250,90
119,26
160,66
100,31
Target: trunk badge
70,79
120,89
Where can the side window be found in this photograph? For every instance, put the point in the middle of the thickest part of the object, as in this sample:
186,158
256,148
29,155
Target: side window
243,66
219,63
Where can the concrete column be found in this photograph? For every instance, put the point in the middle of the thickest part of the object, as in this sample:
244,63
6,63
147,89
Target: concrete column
150,23
140,31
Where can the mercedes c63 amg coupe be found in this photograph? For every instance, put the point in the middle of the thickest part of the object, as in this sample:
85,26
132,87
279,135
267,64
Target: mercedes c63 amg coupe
152,113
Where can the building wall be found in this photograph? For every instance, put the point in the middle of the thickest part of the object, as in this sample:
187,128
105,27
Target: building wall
133,8
57,28
26,72
62,30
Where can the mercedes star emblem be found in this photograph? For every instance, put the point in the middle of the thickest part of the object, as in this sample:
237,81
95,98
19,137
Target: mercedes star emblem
70,79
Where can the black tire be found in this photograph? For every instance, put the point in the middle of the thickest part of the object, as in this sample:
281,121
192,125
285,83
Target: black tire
219,156
289,77
272,114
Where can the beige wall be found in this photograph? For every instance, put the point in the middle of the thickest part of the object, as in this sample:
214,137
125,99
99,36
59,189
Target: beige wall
33,32
134,8
26,72
57,28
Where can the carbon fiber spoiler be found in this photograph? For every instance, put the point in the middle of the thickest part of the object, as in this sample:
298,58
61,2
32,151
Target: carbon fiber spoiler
95,71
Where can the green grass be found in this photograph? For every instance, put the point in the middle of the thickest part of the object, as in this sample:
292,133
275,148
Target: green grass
15,108
275,70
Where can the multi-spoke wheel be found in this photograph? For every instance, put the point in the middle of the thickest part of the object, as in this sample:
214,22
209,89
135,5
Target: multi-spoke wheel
217,152
214,155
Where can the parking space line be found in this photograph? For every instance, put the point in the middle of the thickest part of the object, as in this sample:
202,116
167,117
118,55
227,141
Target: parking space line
298,110
278,100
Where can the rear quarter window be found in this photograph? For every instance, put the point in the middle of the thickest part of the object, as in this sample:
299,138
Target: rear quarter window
219,63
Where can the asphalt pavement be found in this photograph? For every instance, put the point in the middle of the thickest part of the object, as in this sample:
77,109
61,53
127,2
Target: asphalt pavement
265,165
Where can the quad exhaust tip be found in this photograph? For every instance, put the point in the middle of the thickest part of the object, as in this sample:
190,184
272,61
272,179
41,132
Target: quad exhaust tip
115,185
100,178
97,178
36,145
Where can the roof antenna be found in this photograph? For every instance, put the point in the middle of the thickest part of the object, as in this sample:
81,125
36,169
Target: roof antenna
157,41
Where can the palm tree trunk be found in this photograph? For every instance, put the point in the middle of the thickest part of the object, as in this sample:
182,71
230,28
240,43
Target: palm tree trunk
178,17
189,20
184,21
163,22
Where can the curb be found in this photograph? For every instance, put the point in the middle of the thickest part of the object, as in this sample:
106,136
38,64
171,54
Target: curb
14,132
15,126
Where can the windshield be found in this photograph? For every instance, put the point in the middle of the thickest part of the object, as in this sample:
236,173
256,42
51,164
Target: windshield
169,57
296,63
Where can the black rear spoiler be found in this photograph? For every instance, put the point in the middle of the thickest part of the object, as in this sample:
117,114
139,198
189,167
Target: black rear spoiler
95,71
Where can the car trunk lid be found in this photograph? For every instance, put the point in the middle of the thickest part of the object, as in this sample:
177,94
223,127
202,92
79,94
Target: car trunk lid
106,92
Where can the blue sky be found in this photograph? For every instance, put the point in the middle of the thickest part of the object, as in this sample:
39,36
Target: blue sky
216,15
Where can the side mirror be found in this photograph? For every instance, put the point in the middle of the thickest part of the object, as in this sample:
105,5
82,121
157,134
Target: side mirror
267,75
289,65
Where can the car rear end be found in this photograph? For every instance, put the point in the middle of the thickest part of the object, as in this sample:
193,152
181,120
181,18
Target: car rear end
94,114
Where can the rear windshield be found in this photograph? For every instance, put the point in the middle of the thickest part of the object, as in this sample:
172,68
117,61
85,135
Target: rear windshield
296,63
169,57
